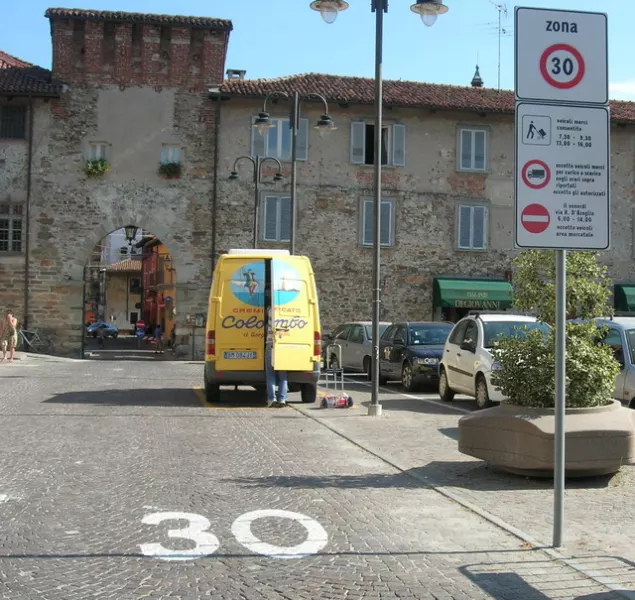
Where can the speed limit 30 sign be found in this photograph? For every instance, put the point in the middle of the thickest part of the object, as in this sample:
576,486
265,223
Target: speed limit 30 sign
561,56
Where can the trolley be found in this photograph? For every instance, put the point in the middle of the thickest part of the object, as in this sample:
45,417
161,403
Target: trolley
335,396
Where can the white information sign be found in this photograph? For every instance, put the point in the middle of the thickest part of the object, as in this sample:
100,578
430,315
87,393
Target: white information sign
561,56
562,177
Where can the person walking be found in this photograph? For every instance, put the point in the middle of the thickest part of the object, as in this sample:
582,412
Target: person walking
101,335
9,336
278,400
158,339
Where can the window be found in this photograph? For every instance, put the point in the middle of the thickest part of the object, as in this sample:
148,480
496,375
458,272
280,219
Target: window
393,144
471,334
97,151
276,224
11,227
170,154
456,337
277,141
472,227
357,335
387,223
135,285
472,149
12,122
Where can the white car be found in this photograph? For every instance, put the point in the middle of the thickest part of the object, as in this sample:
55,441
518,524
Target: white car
466,363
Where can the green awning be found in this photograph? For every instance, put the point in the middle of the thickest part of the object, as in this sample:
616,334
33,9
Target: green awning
624,298
476,294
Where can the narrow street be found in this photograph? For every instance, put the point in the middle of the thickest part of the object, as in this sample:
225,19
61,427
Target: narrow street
117,482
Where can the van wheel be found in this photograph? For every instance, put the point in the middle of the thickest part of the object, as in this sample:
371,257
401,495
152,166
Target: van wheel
212,392
482,395
308,393
447,394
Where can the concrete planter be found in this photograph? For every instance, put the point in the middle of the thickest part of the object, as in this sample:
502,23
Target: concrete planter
521,440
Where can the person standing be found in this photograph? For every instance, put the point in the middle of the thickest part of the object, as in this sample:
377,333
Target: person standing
158,339
9,336
278,400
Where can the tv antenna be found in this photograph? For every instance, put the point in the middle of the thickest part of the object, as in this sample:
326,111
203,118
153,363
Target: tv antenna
502,11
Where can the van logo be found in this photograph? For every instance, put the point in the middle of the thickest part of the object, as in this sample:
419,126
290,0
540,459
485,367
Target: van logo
248,283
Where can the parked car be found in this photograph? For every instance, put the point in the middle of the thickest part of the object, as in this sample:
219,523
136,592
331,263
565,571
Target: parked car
466,366
111,329
410,352
356,341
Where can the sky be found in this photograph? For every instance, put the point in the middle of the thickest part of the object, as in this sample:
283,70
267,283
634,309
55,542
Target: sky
276,38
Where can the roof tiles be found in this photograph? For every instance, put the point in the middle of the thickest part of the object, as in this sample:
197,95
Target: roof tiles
125,266
412,94
130,17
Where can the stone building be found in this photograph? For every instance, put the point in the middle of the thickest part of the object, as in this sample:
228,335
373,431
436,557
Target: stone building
448,186
134,92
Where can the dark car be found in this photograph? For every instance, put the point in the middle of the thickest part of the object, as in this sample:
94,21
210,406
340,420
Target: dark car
410,352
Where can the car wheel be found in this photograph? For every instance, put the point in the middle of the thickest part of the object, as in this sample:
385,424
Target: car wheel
308,393
407,378
114,335
446,393
212,392
482,395
368,368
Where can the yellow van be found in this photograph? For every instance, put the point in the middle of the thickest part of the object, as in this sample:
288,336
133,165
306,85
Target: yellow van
245,284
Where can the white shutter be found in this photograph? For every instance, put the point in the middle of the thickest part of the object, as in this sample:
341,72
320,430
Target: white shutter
285,219
465,227
258,142
479,150
465,158
358,142
367,222
270,221
479,224
386,223
399,145
303,140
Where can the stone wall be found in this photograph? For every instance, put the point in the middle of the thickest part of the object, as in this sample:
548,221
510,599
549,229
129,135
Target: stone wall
426,191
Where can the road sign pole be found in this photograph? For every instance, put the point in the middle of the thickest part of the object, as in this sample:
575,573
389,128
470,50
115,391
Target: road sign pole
559,445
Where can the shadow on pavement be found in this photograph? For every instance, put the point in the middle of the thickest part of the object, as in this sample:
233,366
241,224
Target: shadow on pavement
183,397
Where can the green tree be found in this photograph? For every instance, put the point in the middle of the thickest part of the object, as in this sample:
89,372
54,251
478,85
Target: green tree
526,362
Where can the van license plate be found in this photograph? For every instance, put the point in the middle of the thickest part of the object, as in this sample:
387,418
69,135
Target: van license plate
240,355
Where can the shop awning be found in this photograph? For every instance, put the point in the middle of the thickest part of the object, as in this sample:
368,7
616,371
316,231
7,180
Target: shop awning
624,298
481,294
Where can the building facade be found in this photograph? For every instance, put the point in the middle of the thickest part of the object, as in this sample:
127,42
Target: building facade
122,287
133,98
447,192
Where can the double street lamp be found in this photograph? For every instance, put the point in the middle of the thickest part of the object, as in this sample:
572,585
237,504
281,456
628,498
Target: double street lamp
429,11
257,164
263,123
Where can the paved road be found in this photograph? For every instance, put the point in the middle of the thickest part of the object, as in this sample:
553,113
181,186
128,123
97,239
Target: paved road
117,482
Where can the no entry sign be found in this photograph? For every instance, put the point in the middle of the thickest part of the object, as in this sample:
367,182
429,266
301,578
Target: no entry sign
535,218
561,56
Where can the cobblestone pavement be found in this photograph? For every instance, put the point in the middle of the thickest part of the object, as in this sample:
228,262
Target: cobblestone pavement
117,483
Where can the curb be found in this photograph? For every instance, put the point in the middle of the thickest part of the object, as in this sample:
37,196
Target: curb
517,533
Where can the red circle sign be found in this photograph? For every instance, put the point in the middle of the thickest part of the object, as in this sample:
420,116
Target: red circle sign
562,66
535,218
536,174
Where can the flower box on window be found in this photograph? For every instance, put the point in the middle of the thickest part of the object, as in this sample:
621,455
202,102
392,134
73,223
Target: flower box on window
170,170
97,168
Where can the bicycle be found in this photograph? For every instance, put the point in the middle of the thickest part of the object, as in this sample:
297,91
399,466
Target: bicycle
30,340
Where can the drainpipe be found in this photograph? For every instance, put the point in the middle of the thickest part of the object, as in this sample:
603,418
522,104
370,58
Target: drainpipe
27,239
215,182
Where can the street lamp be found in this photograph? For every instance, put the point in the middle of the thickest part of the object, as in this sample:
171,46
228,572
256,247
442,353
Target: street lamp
429,11
324,125
131,233
257,165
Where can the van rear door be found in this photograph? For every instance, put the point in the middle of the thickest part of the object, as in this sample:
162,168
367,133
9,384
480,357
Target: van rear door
293,312
240,315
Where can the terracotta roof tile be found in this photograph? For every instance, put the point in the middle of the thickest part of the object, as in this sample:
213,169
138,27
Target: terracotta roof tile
7,60
126,266
28,80
413,94
130,17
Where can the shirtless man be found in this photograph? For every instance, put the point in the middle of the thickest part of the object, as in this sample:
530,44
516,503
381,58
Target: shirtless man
9,336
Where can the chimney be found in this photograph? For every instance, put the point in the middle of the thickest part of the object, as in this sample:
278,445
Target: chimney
236,74
476,80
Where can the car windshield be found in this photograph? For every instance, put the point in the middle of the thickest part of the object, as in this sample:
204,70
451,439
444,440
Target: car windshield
630,338
496,329
369,330
429,335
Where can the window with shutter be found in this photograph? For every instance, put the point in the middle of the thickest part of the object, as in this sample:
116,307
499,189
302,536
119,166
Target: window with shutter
472,227
399,145
276,219
387,223
12,122
11,237
472,153
277,141
358,142
393,144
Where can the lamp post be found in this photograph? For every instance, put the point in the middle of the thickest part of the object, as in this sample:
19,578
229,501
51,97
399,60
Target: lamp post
429,11
324,125
131,233
257,165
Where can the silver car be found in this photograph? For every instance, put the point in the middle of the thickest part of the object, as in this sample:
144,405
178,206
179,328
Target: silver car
355,340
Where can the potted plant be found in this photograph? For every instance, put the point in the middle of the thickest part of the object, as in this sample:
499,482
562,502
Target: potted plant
518,434
170,170
97,168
